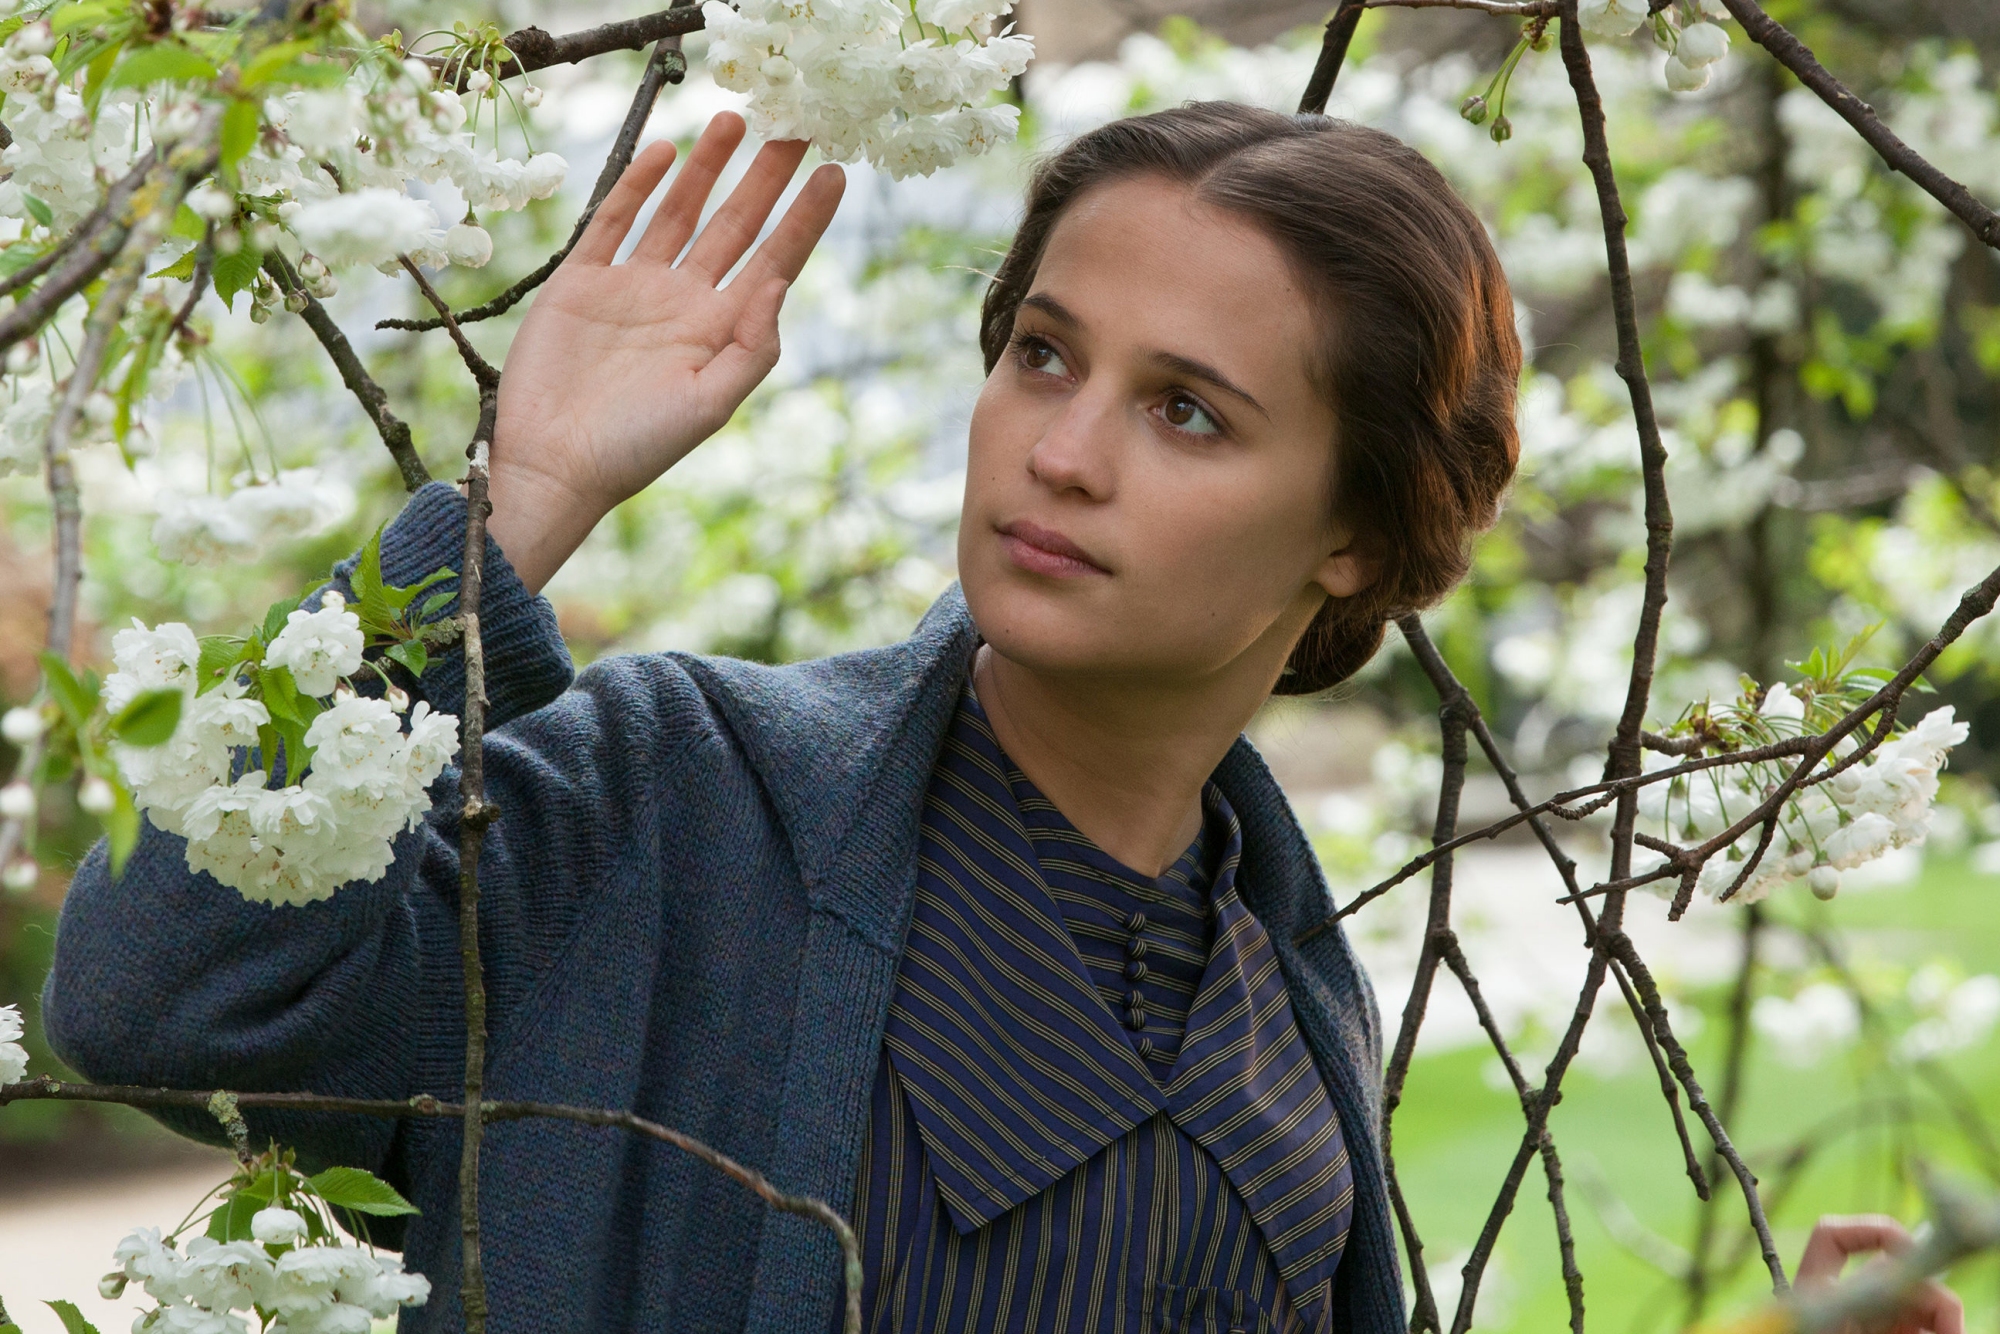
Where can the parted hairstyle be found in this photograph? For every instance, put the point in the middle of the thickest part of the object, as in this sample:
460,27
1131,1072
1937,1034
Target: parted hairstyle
1417,352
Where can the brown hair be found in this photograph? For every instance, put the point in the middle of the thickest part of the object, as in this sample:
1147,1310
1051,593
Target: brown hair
1418,359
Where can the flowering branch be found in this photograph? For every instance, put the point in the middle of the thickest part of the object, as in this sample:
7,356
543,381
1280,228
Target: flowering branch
1797,57
78,260
426,1107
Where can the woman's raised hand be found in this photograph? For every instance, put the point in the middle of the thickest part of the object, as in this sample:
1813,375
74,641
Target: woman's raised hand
1931,1309
620,369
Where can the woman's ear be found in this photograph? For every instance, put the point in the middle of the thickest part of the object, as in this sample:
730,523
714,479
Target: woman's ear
1350,567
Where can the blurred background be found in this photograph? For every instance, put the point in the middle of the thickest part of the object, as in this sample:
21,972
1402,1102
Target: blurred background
1826,347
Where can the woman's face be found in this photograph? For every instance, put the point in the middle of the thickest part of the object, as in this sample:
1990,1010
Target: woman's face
1147,492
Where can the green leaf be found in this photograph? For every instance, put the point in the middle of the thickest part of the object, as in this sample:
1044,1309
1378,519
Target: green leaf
231,1219
218,654
10,1329
73,1321
435,603
239,135
307,74
188,225
162,61
269,60
100,70
234,273
281,693
150,719
276,615
412,654
121,827
17,257
39,211
182,268
75,700
363,1192
400,597
70,18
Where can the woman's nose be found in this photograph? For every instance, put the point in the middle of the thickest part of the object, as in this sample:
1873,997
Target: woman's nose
1078,451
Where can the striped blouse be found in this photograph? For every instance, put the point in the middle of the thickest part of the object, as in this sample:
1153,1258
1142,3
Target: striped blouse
1094,1112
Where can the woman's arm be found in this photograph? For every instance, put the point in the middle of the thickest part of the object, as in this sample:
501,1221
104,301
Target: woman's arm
620,370
165,977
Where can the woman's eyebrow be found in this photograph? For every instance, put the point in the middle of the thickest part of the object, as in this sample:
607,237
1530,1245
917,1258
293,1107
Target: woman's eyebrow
1172,362
1189,368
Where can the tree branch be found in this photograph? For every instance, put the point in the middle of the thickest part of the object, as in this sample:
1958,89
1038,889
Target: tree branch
482,370
534,49
1332,54
476,814
395,432
1797,57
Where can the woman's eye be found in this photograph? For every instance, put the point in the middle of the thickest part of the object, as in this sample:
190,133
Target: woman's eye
1039,356
1184,413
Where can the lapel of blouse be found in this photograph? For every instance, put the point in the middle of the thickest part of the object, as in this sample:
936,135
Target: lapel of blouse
1246,1089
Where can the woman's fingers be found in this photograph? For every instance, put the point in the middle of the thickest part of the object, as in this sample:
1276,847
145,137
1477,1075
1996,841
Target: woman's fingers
735,225
1836,1237
601,239
785,251
680,211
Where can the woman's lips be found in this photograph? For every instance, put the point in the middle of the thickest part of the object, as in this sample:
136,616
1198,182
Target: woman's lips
1045,551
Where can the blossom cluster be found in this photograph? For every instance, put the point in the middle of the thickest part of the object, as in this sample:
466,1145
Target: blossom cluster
1850,819
869,78
205,529
302,1287
301,840
13,1056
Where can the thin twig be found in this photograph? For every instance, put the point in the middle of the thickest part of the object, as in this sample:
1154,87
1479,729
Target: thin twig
482,370
1698,1276
666,66
395,432
1797,57
476,814
1437,933
425,1107
1620,945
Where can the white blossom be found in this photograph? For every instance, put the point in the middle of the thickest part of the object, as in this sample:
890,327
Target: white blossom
1683,79
13,1056
318,647
1611,18
23,427
1701,44
21,725
1822,1018
469,245
369,226
277,1226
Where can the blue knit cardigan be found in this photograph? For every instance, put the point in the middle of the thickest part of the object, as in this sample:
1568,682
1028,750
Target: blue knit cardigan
693,906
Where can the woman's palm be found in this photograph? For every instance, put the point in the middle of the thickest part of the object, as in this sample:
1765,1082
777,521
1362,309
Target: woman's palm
620,369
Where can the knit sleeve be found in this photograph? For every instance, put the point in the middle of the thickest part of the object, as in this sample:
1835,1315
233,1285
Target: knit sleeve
165,977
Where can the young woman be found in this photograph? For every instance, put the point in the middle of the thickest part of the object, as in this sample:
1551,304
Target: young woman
985,937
